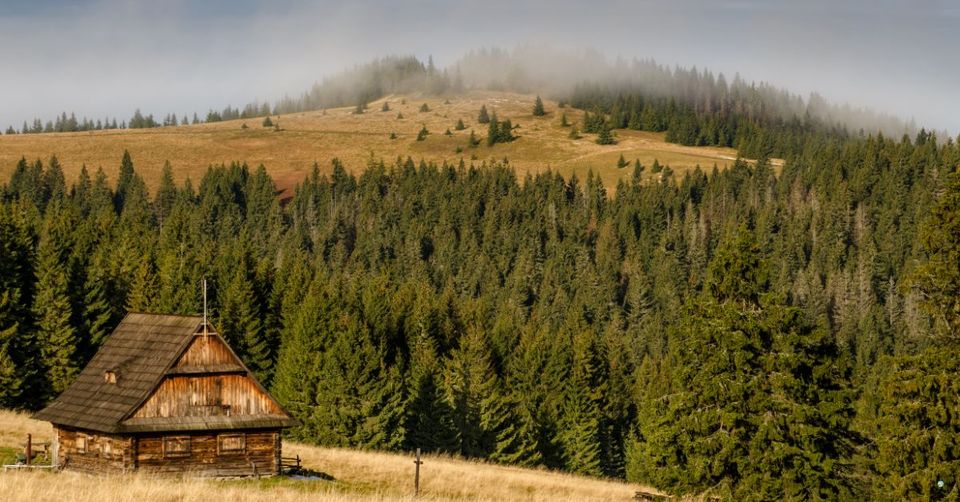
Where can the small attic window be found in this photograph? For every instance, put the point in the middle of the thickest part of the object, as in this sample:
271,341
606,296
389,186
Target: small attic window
110,376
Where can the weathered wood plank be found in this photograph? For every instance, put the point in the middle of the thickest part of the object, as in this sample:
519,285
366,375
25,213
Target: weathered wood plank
207,395
206,351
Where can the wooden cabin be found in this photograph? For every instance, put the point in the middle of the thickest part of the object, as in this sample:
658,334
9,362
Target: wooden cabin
166,394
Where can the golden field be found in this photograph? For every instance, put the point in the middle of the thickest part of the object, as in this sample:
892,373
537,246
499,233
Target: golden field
357,475
320,136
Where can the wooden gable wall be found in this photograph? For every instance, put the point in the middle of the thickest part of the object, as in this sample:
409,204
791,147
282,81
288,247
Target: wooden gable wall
207,395
206,381
206,351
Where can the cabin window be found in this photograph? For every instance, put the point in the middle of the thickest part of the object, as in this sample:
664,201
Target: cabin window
176,446
110,377
230,444
81,443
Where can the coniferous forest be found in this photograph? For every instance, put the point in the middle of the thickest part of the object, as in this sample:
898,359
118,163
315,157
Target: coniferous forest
746,333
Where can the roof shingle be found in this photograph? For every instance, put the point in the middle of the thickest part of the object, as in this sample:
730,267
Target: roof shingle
140,351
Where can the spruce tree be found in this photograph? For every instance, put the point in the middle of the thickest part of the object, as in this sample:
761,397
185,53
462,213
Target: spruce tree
307,329
483,117
422,135
239,320
605,137
758,404
538,110
166,193
19,354
460,125
124,180
11,377
52,309
385,107
429,420
938,276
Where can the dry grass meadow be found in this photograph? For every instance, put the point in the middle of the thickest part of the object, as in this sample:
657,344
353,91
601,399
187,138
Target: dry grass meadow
356,476
320,136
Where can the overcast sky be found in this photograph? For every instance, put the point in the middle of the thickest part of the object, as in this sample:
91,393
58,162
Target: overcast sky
107,57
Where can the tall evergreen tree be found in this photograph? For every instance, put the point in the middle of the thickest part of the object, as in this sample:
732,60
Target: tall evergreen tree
483,117
429,420
56,336
538,110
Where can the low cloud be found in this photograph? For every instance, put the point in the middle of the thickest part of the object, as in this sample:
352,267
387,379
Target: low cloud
106,58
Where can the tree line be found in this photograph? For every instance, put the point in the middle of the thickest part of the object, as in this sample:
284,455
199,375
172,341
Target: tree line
745,333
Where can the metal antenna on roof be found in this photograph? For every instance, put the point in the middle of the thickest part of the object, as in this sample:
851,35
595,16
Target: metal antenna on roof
204,308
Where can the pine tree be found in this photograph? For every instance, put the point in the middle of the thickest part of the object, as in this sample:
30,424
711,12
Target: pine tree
98,314
143,288
483,117
574,133
622,162
538,110
11,377
460,125
563,120
56,336
305,333
605,137
239,320
938,277
422,135
424,108
754,386
429,418
267,122
473,141
385,107
19,354
471,383
166,193
124,180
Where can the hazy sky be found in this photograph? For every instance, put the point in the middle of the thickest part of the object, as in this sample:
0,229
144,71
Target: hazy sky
107,57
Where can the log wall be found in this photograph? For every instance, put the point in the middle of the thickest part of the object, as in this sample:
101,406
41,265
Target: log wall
260,454
103,452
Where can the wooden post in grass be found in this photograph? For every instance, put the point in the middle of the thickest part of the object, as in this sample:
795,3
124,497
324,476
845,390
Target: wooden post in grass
416,475
29,450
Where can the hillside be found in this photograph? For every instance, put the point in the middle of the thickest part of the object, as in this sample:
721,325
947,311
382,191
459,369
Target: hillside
320,136
356,476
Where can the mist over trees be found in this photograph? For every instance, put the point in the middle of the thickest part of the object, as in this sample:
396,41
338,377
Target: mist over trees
578,77
744,333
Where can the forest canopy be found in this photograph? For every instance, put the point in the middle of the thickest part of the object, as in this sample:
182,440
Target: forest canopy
738,332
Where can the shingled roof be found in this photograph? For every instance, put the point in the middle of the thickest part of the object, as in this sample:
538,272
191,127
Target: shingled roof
141,351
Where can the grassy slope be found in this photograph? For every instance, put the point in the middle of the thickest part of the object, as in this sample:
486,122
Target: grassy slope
356,476
320,136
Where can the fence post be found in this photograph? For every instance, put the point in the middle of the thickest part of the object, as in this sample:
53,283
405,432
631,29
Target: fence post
416,476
